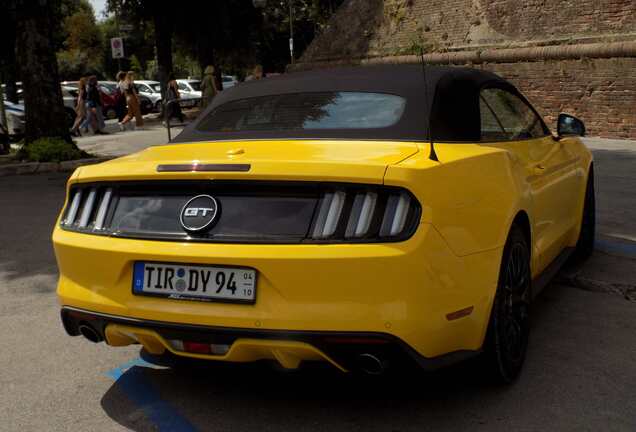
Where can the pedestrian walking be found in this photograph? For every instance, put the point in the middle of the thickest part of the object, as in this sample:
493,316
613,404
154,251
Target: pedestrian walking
172,94
94,105
80,107
208,87
120,101
132,100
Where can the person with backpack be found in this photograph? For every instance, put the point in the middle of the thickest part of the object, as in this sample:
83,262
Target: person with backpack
94,106
172,94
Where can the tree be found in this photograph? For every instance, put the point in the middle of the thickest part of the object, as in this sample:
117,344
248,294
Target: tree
8,61
82,54
162,15
44,108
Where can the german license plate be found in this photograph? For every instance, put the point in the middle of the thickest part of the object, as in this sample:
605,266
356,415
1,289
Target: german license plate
195,282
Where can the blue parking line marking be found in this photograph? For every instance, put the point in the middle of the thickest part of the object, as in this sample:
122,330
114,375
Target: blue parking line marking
116,373
624,249
130,378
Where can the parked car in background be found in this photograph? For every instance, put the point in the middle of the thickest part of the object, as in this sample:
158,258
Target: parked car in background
110,95
70,84
150,90
18,86
108,92
229,81
69,96
189,91
146,105
190,86
15,119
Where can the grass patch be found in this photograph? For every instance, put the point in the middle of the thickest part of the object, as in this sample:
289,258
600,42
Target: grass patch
51,150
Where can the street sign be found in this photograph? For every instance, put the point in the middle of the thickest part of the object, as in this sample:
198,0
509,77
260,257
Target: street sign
126,27
117,47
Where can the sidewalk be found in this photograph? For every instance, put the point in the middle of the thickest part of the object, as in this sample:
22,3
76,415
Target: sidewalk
118,143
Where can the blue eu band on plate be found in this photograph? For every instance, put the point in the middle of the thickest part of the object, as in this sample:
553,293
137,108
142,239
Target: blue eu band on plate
189,282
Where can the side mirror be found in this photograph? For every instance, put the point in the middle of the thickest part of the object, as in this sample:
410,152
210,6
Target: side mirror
570,125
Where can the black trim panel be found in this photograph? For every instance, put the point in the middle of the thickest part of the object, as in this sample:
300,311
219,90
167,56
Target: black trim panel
204,168
72,317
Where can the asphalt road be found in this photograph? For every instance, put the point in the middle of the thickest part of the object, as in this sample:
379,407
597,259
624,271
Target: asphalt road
580,373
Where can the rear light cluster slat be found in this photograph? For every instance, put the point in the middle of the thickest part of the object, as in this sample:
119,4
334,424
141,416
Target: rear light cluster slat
87,209
378,214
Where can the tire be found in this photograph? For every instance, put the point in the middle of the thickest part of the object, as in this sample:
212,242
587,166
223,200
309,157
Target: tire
585,243
509,327
157,107
111,113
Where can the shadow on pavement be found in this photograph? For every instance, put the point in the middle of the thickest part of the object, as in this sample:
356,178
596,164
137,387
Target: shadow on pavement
219,396
30,205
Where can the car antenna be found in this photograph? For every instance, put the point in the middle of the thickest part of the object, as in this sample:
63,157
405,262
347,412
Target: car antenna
432,155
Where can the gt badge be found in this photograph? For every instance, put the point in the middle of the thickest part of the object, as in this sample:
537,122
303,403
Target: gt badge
199,214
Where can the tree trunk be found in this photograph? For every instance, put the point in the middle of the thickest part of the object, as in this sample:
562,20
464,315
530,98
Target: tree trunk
7,58
44,108
5,147
163,42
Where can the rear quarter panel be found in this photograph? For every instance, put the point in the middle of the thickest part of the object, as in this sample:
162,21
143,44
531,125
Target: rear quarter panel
471,196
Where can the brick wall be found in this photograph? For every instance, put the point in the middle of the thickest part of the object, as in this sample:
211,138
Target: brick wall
601,91
390,27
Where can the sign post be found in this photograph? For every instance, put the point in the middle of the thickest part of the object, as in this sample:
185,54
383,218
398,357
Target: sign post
117,47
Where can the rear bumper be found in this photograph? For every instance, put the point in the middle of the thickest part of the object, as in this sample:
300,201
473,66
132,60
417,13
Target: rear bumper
403,290
342,349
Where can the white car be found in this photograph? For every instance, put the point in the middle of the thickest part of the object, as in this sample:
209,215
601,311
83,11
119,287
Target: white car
150,90
190,86
189,91
69,96
229,81
15,119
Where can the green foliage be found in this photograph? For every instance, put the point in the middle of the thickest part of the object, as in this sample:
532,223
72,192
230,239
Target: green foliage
83,45
185,66
231,34
135,66
51,150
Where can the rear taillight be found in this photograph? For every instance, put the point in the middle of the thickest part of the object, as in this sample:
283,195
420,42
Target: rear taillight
375,214
308,213
87,209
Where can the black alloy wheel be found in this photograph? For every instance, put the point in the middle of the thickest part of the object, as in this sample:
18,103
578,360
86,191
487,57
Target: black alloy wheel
509,327
585,243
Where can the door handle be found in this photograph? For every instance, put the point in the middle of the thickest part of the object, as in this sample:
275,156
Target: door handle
539,169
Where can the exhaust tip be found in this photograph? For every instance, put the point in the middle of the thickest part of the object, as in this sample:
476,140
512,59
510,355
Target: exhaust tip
89,333
370,364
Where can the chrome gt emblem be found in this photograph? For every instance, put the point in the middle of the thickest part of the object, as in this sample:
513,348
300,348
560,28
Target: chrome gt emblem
199,214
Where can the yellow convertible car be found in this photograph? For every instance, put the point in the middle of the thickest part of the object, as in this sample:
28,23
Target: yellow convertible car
369,217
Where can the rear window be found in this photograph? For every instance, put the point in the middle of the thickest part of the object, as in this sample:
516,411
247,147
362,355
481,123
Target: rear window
300,111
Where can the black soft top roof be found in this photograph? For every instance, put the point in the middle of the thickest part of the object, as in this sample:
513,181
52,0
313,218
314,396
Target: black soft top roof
449,96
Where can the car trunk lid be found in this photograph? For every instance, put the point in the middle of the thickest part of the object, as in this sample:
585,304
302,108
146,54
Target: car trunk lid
293,160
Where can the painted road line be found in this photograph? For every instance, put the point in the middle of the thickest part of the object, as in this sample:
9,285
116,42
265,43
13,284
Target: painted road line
130,378
623,249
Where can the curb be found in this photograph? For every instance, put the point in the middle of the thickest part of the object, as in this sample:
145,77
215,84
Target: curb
44,167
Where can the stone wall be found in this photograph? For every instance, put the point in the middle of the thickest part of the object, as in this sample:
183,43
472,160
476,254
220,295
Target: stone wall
600,90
